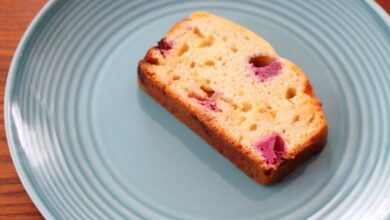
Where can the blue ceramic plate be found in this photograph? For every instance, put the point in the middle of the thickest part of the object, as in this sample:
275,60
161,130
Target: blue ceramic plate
88,144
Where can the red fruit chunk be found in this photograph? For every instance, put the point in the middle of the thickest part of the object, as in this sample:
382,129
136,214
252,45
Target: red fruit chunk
272,148
266,72
163,45
210,103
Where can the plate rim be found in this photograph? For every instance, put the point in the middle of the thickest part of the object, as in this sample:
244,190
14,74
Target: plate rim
9,86
372,5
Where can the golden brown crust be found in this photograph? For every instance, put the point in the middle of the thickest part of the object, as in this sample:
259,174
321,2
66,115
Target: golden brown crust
243,158
322,131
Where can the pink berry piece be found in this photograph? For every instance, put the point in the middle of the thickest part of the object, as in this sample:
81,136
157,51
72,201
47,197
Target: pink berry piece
164,46
210,103
265,70
272,148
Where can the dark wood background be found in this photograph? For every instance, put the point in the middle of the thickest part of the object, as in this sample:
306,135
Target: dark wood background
15,16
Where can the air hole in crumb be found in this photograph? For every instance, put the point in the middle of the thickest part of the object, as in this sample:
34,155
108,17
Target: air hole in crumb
262,110
261,61
291,93
241,120
271,111
295,118
207,42
224,38
209,63
233,48
193,94
219,58
183,49
192,65
246,106
246,38
207,89
197,32
176,77
253,127
229,101
153,60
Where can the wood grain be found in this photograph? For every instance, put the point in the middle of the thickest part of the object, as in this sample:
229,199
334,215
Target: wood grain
385,5
15,15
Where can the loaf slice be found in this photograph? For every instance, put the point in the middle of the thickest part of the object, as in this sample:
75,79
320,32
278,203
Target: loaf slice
228,85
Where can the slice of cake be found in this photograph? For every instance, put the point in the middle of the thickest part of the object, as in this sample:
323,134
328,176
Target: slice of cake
230,87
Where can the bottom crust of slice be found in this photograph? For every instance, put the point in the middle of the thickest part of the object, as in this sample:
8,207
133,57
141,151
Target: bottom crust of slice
233,151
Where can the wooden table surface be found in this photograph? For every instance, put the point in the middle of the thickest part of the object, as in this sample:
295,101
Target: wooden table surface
15,15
